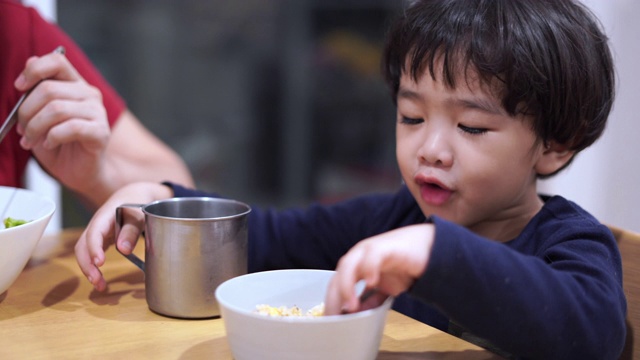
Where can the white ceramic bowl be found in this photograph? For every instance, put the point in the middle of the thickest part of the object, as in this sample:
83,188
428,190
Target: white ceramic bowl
255,336
17,243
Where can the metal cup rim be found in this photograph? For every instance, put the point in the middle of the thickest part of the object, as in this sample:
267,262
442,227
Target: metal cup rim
247,208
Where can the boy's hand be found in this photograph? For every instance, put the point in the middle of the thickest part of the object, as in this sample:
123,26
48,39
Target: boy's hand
100,231
389,262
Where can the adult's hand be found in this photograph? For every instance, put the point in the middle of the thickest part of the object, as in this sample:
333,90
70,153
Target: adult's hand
63,121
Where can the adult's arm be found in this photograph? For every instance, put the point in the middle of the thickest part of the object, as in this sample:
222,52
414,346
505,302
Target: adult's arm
76,125
134,154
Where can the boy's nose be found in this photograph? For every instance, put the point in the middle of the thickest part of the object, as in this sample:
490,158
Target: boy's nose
436,149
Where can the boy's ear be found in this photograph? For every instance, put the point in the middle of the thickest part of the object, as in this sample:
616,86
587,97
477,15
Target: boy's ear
553,158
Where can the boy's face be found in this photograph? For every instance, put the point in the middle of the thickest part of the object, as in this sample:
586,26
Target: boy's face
464,158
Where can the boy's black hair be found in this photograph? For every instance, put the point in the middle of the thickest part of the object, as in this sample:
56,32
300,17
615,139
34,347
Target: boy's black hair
551,57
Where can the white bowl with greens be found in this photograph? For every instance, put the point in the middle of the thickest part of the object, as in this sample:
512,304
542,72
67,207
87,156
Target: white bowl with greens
27,214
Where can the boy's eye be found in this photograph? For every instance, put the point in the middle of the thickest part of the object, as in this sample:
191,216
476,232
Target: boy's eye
410,121
472,130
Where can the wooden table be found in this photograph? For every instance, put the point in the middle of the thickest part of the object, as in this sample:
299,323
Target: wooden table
52,312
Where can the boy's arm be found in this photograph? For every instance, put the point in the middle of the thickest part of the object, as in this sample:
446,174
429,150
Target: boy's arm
317,236
566,301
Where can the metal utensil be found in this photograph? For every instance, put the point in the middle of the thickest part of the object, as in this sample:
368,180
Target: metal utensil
369,294
12,118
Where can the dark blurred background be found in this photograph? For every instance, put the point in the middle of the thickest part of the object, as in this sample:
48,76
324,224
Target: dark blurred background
276,102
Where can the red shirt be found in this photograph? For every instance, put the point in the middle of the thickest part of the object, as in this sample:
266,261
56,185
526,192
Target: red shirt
24,33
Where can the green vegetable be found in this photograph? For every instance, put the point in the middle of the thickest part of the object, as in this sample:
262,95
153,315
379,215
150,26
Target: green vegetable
10,222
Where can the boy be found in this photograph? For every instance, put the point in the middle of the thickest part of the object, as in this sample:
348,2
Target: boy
491,95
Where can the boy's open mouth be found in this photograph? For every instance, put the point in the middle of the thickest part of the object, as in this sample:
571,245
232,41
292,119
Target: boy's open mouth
434,194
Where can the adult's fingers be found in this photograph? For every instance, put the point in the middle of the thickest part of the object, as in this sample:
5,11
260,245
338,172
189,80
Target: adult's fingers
50,66
55,101
93,137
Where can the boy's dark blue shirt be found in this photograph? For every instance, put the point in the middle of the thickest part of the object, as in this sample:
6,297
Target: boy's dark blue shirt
554,292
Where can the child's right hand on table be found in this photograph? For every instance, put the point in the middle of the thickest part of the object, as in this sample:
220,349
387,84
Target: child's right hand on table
100,232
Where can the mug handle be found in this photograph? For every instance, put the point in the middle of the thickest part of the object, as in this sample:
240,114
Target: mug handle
131,257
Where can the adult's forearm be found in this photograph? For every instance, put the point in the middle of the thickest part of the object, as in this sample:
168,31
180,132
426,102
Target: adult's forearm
133,154
123,171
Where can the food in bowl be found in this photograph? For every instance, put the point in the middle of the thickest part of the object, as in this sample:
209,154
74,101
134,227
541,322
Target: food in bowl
10,222
267,310
254,336
17,243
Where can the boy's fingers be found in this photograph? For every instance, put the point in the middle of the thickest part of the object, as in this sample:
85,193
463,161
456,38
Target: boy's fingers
341,295
127,238
337,302
332,301
88,264
373,299
130,230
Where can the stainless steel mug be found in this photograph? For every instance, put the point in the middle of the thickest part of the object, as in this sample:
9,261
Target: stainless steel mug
192,245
